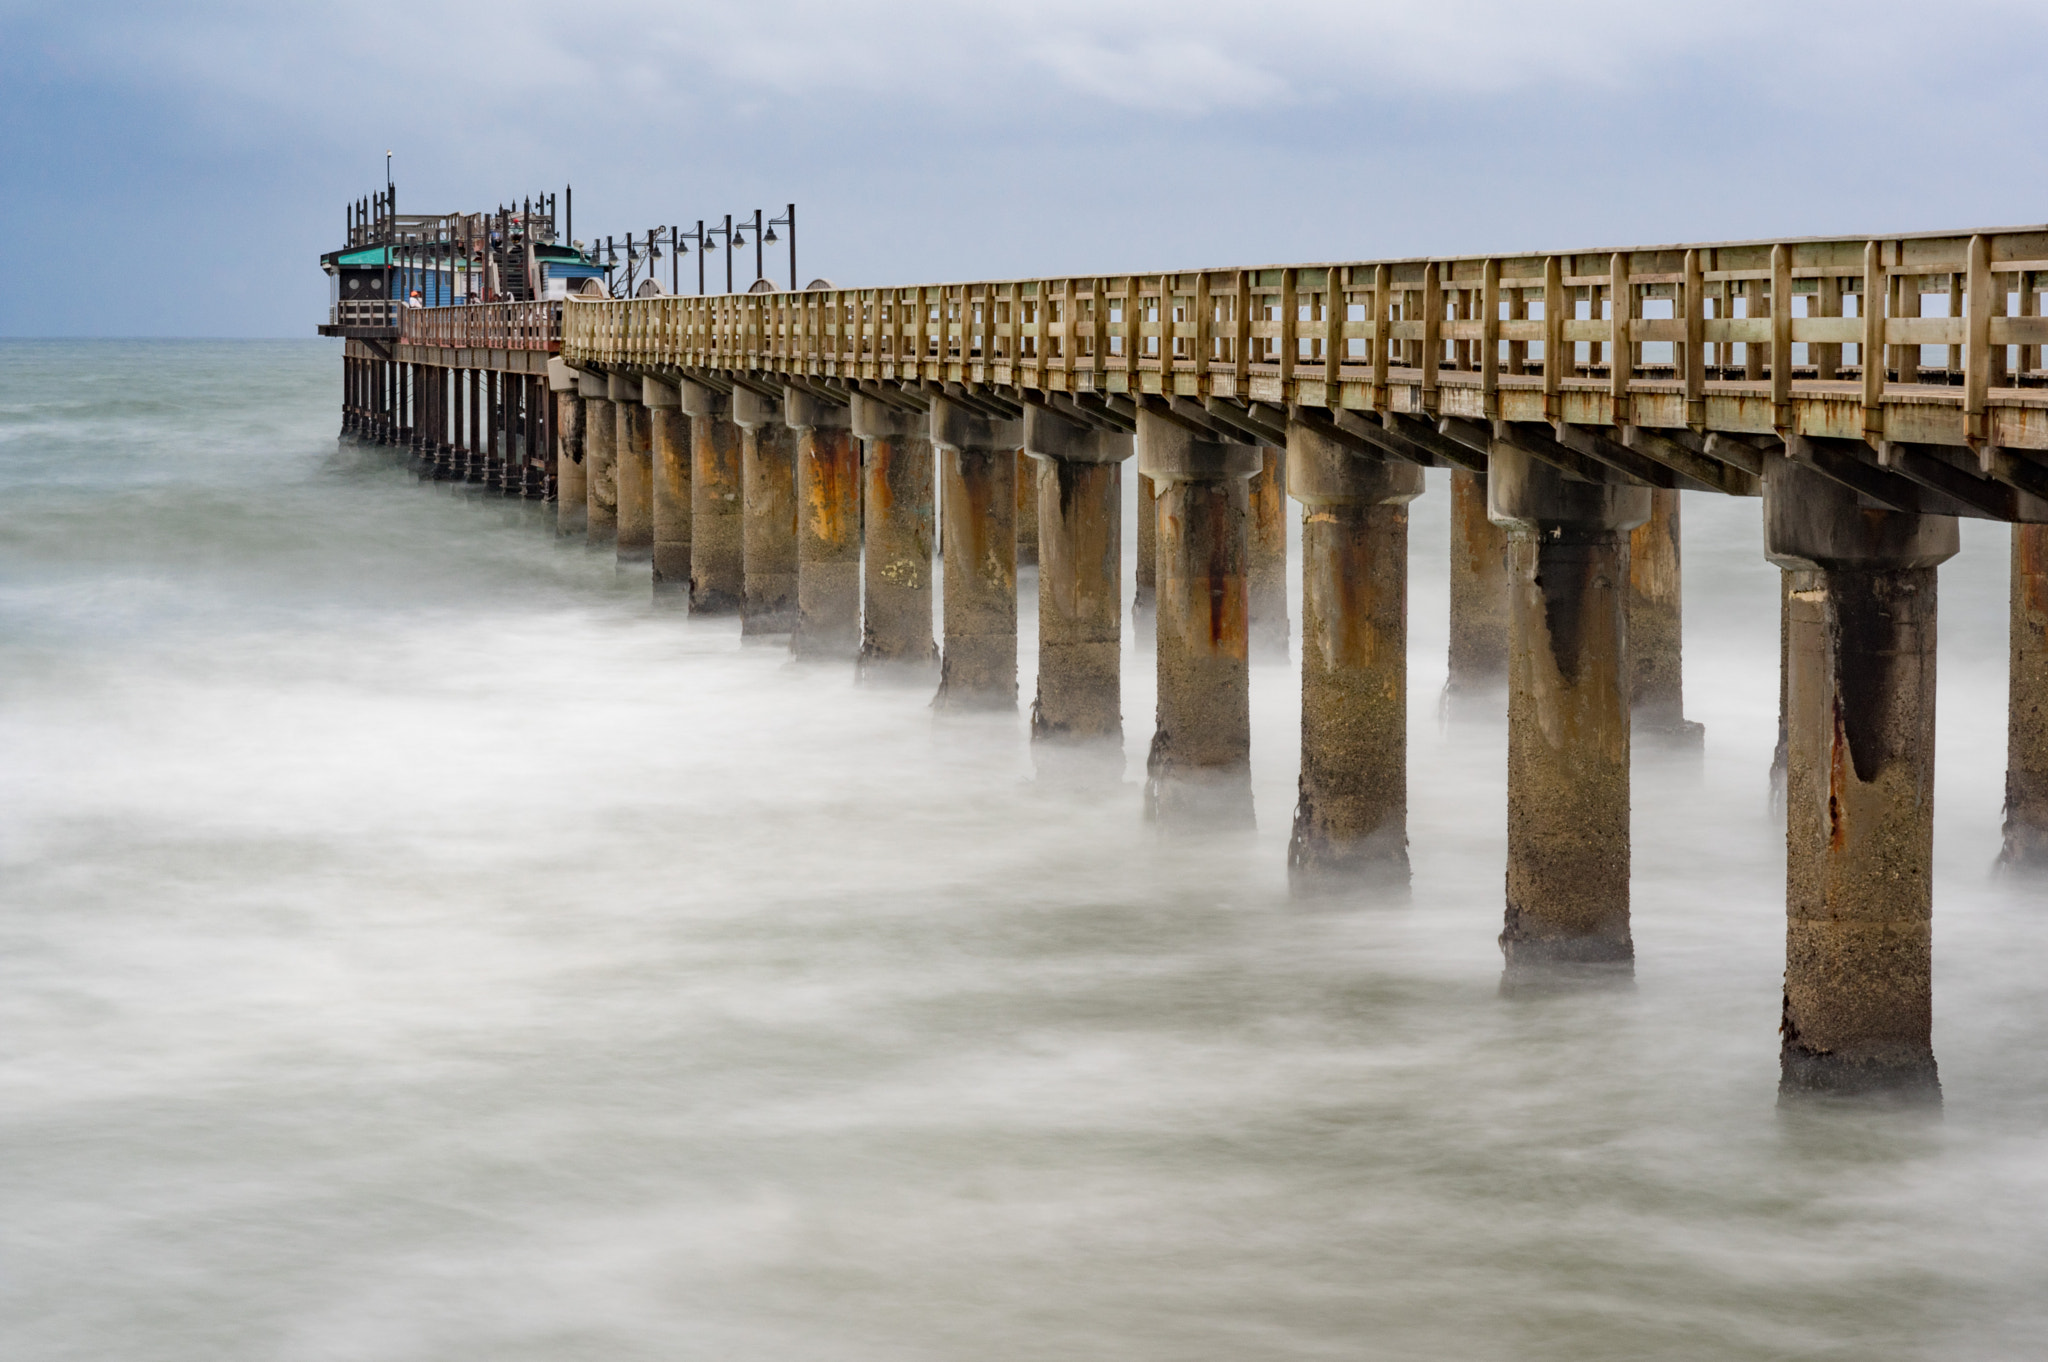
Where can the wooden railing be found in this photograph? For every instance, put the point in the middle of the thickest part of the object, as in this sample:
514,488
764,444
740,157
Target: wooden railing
1646,335
535,325
364,312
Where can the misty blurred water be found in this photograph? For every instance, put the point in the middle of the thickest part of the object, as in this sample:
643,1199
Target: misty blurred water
413,945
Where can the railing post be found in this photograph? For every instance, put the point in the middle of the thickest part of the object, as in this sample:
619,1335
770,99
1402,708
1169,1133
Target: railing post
1781,336
1432,333
1695,303
1977,346
1620,336
1876,296
1489,338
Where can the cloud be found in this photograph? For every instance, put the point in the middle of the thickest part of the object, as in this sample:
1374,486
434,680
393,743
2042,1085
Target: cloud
1053,60
973,140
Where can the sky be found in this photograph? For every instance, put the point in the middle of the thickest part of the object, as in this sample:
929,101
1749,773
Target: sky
176,169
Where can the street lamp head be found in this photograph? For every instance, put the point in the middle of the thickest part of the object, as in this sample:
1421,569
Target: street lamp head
770,236
738,238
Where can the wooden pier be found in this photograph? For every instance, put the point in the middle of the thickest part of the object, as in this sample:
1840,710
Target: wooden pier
784,455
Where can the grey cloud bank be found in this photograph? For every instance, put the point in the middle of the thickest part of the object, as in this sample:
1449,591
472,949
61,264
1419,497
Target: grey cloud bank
173,170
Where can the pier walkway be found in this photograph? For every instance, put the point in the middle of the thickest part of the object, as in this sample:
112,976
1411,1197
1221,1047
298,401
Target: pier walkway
804,458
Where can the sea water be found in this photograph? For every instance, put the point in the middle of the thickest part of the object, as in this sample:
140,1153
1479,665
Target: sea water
417,944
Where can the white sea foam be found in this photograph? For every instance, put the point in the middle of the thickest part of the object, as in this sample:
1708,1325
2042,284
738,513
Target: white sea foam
413,945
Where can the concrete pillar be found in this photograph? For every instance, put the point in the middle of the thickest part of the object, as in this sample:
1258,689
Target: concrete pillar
1568,712
635,455
600,461
896,473
1027,512
1267,561
1077,726
717,557
828,529
1351,820
1144,600
1859,805
768,513
1789,581
978,506
1479,596
2026,743
1656,627
1198,774
671,474
572,509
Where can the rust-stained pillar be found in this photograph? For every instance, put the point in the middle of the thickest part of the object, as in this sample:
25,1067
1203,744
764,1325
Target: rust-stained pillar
896,472
1656,626
1351,821
717,556
1859,805
1198,773
1266,532
978,510
1568,712
600,461
572,509
635,455
1077,726
1144,599
1027,512
671,474
1479,596
768,513
828,528
2026,742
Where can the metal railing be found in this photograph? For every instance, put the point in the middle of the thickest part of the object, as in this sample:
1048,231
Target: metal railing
1648,336
533,325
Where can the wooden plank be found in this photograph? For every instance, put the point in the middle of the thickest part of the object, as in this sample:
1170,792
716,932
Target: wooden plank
1977,348
1333,332
1290,323
1781,334
1871,350
1241,330
1555,358
1695,342
1432,333
1620,340
1489,339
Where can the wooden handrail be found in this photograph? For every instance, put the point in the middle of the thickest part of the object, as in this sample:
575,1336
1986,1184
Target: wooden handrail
1686,322
531,325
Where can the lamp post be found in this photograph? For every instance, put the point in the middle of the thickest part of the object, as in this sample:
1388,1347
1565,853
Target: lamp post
788,219
678,236
758,234
726,231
